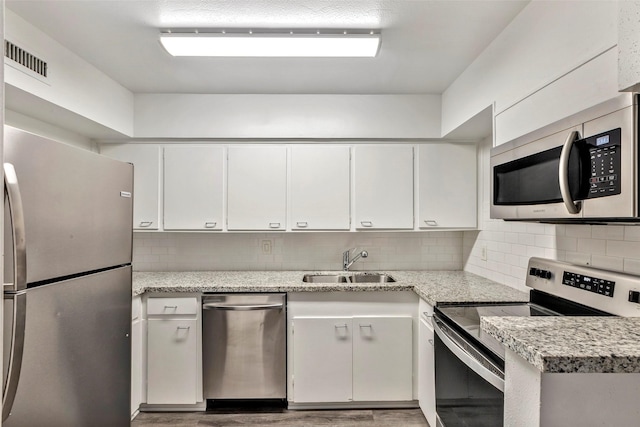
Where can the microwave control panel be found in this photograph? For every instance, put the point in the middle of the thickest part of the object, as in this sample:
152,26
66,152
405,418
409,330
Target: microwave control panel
605,154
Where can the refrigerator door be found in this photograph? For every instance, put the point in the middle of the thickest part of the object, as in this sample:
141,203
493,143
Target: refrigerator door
76,357
77,206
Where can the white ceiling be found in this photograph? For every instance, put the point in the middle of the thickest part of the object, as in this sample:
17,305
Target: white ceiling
426,44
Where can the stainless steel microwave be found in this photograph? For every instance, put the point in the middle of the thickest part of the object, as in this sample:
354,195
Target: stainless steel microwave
583,168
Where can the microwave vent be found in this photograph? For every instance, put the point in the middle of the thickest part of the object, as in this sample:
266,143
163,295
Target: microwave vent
25,59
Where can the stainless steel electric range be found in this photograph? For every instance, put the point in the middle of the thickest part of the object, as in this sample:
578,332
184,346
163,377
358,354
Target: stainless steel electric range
469,364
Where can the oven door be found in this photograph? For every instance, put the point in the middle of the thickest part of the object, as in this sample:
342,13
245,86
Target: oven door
469,386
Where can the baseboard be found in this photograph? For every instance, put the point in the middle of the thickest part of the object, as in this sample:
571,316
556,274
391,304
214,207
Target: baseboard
408,404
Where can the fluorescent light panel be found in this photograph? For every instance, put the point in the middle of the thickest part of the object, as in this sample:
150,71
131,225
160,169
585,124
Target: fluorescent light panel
271,45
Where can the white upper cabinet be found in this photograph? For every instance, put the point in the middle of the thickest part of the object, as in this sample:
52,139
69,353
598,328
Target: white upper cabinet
320,187
447,185
257,188
146,180
383,187
193,187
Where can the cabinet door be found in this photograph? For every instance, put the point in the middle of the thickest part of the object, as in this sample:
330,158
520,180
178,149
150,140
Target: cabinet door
171,363
384,187
322,359
136,355
383,358
193,187
146,180
320,187
426,373
257,188
447,185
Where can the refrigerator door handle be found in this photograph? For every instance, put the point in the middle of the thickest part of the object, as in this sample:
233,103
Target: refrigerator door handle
12,190
16,351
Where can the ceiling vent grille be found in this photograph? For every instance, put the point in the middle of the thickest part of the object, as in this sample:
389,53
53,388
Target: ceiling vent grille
24,58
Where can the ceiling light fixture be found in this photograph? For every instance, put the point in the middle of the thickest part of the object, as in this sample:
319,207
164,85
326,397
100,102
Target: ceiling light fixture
253,43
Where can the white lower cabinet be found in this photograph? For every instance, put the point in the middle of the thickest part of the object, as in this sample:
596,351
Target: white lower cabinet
136,355
358,358
426,365
382,358
173,377
322,359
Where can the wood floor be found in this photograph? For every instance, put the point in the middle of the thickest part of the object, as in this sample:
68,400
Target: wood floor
324,418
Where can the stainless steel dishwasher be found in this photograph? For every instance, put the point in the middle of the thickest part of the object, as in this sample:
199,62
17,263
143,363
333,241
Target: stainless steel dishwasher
244,346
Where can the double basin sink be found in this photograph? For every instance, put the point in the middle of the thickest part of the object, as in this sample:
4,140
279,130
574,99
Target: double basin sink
353,278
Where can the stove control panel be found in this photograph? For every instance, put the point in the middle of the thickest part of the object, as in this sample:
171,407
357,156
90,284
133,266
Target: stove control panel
538,272
589,283
613,292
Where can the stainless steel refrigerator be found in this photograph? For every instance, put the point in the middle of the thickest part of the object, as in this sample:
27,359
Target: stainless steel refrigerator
67,285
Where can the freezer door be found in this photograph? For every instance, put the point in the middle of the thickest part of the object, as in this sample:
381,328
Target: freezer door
76,361
77,206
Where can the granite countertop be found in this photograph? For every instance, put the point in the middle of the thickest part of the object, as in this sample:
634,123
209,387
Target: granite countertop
571,344
435,287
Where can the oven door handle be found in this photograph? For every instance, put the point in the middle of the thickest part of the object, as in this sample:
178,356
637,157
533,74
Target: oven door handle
563,174
475,362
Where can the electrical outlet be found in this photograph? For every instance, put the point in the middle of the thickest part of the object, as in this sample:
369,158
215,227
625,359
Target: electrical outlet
483,253
266,246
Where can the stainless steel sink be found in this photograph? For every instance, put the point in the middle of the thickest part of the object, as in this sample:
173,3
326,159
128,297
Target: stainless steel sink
371,278
324,278
354,278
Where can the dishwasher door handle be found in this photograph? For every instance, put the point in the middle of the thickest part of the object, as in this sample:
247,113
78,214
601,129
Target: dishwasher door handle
229,307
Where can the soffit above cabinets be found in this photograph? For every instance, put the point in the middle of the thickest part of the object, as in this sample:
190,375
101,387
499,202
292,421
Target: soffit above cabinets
425,44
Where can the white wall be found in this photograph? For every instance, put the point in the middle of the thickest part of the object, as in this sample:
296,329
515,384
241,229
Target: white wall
544,42
510,244
629,45
73,84
437,250
286,116
48,130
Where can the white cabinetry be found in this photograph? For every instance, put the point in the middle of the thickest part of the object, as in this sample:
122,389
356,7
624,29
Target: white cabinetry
426,364
146,180
173,376
383,186
382,358
348,349
320,187
360,358
193,187
136,355
322,359
447,185
257,187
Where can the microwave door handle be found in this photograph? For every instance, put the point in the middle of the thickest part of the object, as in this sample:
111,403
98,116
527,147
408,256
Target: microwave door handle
12,192
563,174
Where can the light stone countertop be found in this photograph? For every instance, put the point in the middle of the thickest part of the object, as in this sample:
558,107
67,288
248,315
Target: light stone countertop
571,344
551,344
435,287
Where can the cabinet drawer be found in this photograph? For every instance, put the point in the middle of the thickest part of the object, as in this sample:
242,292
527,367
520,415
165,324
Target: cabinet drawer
172,306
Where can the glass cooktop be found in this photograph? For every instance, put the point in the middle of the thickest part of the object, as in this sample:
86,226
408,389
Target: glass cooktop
467,319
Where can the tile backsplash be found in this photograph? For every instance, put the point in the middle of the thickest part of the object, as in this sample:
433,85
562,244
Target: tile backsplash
433,250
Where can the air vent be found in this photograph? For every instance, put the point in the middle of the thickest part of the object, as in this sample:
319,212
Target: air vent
24,58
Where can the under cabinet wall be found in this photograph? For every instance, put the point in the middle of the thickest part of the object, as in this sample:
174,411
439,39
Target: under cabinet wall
429,250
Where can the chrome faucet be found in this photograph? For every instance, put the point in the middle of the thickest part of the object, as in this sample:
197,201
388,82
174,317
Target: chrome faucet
347,262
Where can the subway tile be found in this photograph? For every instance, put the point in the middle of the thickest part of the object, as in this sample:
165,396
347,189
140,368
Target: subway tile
592,246
623,248
575,230
578,258
608,232
632,233
607,263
